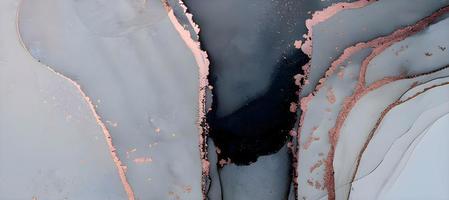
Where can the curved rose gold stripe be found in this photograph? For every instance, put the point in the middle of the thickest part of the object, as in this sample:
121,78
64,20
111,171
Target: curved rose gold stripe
325,14
189,16
120,168
306,47
318,17
379,45
202,61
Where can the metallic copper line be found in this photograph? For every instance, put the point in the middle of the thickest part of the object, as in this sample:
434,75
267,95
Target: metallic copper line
120,167
202,61
319,17
325,14
384,113
379,45
302,80
189,16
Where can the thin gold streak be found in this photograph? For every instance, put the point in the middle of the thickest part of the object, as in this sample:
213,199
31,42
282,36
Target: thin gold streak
202,61
107,135
325,14
317,18
379,45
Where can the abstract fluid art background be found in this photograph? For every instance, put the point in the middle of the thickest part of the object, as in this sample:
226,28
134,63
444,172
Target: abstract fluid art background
224,99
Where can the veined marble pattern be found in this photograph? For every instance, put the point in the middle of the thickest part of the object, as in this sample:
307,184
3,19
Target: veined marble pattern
224,100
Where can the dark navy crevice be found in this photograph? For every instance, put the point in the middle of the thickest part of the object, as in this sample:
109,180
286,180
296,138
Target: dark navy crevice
262,126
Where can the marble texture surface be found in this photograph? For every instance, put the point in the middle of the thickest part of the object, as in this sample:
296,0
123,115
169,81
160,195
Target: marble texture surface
122,57
339,145
51,146
105,99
